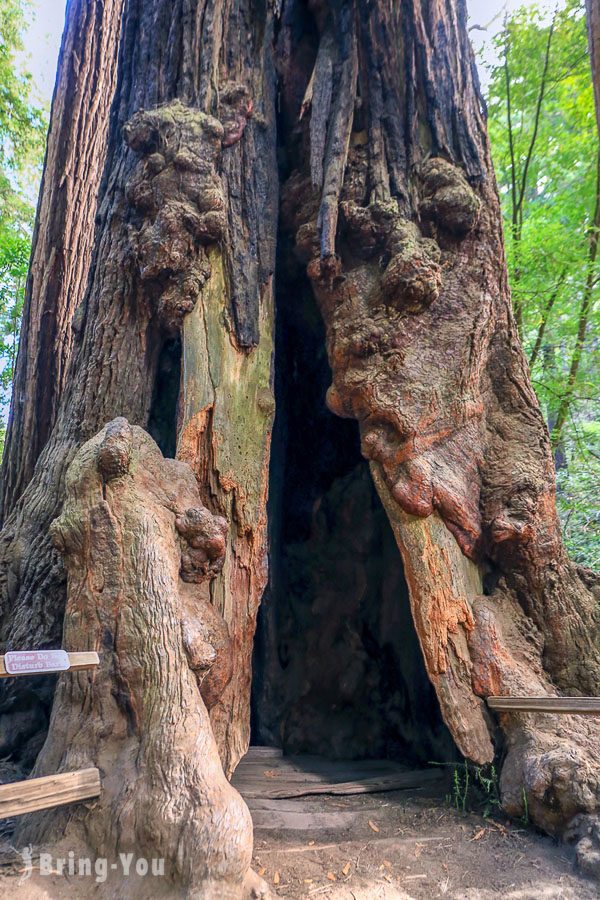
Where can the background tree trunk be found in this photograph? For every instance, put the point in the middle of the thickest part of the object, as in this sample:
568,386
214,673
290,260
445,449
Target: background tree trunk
593,20
388,197
64,231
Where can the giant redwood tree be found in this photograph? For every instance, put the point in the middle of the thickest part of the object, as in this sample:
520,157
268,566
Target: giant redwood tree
285,212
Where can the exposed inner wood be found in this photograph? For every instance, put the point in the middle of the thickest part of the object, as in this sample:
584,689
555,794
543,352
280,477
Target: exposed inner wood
226,414
425,355
363,126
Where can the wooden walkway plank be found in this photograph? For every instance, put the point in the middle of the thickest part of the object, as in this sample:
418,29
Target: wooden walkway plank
77,661
277,819
258,788
256,752
21,797
575,706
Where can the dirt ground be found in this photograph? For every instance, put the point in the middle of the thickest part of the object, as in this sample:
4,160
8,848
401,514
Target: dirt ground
403,846
393,845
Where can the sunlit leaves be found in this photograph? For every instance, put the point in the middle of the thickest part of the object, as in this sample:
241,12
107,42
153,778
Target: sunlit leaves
22,134
548,250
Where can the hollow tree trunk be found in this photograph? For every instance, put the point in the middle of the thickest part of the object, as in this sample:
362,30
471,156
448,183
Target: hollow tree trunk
388,198
392,204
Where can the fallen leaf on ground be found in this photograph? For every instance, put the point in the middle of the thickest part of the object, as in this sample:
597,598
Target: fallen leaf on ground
373,826
331,876
262,871
346,869
478,835
276,878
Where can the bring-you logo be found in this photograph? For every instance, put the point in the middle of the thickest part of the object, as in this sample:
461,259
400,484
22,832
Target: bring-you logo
126,865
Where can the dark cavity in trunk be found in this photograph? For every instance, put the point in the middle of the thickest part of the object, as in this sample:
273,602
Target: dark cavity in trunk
337,666
162,421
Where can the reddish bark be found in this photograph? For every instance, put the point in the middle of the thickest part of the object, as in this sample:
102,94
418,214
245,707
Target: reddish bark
159,213
425,355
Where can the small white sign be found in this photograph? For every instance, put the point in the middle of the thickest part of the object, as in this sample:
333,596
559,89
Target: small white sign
24,662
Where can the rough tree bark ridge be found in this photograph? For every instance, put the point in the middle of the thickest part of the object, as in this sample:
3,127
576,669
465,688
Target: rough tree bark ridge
140,550
187,123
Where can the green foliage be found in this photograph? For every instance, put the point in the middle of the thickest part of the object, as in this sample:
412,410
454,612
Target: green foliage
22,133
578,501
14,262
474,788
544,140
22,123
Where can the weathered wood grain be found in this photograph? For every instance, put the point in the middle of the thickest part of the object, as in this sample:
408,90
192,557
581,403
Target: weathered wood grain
575,706
21,797
225,436
153,547
299,815
262,753
399,782
300,776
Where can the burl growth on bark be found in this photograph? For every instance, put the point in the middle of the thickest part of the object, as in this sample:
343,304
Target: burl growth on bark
140,550
424,355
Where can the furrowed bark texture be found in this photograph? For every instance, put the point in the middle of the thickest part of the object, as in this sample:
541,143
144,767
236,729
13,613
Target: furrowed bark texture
388,200
140,550
63,237
425,355
188,188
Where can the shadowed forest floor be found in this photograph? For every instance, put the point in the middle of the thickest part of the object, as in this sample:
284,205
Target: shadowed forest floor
422,849
409,843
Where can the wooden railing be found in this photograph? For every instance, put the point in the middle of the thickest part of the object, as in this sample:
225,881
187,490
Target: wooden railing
19,797
573,706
